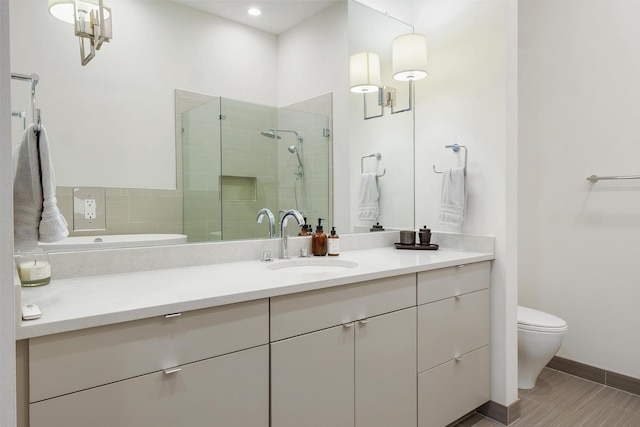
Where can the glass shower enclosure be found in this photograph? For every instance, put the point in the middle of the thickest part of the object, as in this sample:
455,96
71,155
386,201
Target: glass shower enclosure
239,157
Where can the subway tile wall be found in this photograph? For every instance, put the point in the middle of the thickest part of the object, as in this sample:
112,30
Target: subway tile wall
131,211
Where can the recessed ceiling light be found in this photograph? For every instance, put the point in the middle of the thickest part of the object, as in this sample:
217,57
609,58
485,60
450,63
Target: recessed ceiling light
254,11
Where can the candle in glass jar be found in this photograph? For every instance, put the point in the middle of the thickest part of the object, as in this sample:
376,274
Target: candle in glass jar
34,271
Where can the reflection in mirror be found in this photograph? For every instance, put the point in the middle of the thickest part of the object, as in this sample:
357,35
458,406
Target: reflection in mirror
389,135
111,123
239,157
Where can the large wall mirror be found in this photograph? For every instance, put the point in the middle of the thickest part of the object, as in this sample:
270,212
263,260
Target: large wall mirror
112,123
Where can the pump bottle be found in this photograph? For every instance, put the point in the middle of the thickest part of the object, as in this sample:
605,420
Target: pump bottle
319,241
333,243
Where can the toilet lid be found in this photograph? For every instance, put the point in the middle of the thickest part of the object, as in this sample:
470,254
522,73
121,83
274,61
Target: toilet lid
531,319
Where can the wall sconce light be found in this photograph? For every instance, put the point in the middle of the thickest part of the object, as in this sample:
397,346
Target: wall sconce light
92,23
364,72
409,63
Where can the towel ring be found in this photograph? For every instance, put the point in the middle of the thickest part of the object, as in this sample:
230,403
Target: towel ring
378,156
455,148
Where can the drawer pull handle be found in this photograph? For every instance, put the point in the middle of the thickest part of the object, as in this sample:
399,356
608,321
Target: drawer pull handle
348,325
169,316
458,359
363,321
460,266
170,371
457,296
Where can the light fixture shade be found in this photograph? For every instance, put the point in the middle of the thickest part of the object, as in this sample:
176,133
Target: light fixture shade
409,57
64,9
364,72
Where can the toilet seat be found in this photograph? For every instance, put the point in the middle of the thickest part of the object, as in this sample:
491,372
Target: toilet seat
539,321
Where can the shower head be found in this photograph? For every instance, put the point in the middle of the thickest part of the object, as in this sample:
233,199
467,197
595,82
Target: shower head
294,150
271,133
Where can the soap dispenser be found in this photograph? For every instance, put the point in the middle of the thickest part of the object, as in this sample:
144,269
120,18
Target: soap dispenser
333,243
306,229
319,241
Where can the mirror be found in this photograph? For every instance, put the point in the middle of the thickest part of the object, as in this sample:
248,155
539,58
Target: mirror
390,135
107,119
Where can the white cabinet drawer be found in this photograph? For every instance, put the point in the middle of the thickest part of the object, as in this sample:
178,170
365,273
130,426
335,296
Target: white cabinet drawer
450,390
225,391
439,284
304,312
72,361
451,327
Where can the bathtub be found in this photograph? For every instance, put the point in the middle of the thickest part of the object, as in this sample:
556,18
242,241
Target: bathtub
113,241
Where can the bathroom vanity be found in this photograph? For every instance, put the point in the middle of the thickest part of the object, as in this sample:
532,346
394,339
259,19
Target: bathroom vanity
401,339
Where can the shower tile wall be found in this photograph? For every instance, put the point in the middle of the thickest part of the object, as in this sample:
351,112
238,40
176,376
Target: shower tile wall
201,172
309,118
252,159
131,211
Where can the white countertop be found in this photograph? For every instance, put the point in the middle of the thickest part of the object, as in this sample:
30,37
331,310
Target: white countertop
84,302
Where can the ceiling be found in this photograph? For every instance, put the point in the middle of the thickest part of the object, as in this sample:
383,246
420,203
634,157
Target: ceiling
277,15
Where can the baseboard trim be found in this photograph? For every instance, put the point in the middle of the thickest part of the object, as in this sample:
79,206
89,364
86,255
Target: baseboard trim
500,413
598,375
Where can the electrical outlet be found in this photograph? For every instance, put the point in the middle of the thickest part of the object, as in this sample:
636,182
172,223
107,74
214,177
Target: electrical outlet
89,209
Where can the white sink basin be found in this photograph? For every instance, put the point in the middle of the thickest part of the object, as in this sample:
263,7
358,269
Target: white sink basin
313,265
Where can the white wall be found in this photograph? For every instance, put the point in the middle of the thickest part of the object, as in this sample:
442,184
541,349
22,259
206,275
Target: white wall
7,313
579,110
312,62
122,101
469,97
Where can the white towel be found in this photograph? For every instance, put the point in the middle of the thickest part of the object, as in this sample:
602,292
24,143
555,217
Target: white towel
454,197
368,203
35,213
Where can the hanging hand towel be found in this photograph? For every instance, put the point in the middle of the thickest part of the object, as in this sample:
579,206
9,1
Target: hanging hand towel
36,215
368,203
454,195
27,192
53,226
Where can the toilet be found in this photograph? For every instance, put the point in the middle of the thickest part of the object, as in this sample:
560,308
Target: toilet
539,338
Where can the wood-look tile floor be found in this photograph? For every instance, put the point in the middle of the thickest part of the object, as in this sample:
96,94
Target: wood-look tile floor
562,400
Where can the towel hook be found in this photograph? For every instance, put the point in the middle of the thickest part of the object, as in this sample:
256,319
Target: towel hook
455,148
378,156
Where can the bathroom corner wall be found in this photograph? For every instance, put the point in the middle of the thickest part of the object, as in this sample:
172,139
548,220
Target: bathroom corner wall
578,116
468,98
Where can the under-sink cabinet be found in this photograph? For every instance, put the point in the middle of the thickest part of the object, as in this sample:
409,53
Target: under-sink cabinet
345,356
405,351
210,365
453,342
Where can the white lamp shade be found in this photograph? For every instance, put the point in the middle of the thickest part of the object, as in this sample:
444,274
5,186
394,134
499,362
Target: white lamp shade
364,72
64,9
409,57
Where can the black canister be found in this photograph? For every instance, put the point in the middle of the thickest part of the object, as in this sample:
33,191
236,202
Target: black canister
407,237
425,236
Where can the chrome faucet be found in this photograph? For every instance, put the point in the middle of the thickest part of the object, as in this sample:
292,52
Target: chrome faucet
272,221
284,250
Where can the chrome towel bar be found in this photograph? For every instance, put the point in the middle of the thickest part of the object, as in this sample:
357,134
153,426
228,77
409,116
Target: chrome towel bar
456,147
595,178
378,156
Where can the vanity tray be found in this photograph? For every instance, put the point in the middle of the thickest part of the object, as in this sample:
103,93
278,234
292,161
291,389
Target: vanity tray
430,247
